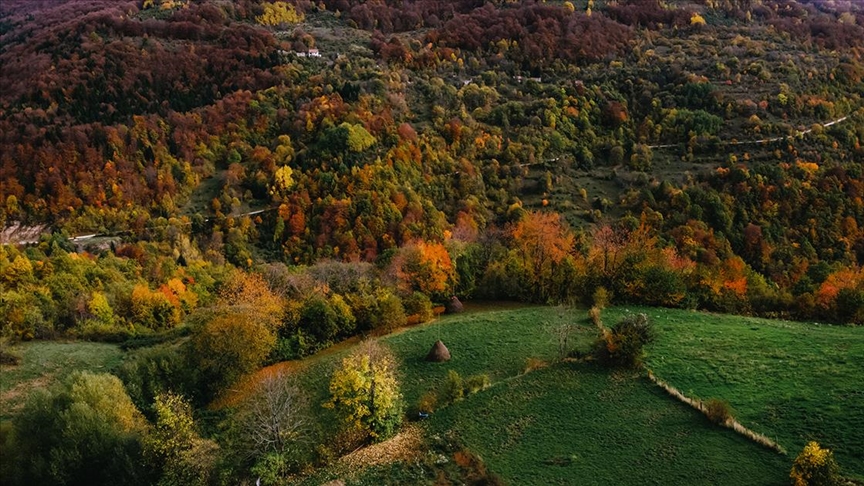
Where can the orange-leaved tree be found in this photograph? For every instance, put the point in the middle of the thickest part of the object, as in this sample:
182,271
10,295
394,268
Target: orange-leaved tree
541,241
425,267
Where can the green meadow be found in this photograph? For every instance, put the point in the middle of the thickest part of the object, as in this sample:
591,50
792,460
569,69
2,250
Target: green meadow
577,423
45,363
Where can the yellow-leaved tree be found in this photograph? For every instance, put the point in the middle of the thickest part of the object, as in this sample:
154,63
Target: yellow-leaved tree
279,13
364,392
815,466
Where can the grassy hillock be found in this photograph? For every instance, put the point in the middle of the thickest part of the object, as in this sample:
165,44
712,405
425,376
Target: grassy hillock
794,382
576,420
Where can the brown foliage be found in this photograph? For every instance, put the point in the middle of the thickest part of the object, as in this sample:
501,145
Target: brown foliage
542,33
717,411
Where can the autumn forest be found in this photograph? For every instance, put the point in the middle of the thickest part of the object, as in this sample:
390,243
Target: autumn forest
218,186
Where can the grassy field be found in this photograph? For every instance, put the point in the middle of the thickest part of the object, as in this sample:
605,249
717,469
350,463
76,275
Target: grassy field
791,381
45,363
580,424
577,421
573,421
490,341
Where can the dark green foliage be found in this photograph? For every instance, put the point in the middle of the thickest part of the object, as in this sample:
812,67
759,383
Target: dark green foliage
325,319
152,371
850,306
377,310
273,468
418,304
85,431
622,346
8,356
662,287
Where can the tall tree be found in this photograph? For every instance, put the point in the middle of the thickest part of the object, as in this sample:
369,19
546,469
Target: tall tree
364,391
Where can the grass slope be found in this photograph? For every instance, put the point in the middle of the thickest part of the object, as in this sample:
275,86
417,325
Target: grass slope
575,422
495,342
580,424
791,381
45,363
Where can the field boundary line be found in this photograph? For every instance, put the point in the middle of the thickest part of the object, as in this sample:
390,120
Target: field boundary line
730,422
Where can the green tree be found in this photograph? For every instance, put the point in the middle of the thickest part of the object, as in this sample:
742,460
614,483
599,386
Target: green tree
358,139
174,446
327,318
364,391
86,431
100,308
227,348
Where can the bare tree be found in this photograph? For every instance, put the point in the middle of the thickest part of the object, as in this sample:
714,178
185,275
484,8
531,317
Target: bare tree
274,418
563,332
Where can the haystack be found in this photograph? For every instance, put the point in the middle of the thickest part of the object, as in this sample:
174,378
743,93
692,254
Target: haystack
454,306
438,353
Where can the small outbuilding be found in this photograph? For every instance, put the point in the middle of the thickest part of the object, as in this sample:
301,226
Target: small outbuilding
438,353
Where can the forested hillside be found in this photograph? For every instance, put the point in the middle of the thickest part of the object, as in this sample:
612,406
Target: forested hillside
255,181
703,126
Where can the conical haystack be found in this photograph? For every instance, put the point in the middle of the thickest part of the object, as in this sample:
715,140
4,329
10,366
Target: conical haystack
438,353
454,306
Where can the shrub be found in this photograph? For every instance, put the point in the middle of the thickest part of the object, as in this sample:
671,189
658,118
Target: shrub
477,383
327,319
622,346
717,411
473,469
594,314
174,447
428,402
296,346
374,310
88,421
273,468
151,371
418,304
453,389
8,356
109,332
9,470
815,466
532,364
600,298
